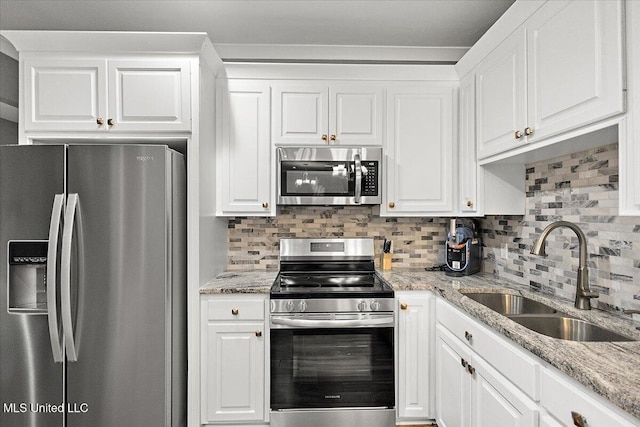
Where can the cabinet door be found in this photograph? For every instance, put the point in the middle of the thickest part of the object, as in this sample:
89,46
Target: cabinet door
501,97
419,152
415,332
234,366
574,58
300,114
453,382
244,181
65,94
468,170
497,402
150,95
355,114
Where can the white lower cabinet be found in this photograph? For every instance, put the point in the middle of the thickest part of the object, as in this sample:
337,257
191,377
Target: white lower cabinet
233,371
469,392
415,355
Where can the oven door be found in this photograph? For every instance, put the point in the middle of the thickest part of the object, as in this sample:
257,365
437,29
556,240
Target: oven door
343,367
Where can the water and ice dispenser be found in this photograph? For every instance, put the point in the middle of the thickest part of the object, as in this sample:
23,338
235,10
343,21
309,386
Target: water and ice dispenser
27,262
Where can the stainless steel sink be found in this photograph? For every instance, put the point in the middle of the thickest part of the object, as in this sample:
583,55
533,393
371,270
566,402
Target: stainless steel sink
543,319
568,328
508,304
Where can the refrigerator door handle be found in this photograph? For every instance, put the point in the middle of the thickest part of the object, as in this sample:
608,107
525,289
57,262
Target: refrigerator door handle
71,218
52,264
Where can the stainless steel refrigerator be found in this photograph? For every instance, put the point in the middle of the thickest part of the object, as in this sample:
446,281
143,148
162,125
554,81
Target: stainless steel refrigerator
92,286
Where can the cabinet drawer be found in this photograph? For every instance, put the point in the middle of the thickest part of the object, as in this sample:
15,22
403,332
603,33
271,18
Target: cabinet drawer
560,396
507,358
235,309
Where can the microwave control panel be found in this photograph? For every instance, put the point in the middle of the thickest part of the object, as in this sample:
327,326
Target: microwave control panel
370,178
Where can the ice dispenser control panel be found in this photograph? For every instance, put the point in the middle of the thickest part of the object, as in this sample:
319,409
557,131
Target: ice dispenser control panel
27,262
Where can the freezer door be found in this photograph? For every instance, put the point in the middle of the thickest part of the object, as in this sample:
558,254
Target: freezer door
121,292
30,176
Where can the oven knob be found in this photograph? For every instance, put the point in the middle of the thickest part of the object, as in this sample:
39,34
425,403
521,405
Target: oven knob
289,306
302,306
375,305
362,306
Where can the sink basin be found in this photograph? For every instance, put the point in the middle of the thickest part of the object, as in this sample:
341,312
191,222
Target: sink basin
508,304
568,328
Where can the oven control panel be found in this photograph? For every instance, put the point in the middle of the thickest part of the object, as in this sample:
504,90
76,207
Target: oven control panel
332,305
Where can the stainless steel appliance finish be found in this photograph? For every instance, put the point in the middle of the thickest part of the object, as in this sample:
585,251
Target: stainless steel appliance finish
116,274
333,316
329,175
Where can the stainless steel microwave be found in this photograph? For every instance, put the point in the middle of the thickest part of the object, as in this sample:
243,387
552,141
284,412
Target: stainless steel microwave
329,175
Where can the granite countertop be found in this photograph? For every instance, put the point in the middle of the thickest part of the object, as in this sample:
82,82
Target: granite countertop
607,368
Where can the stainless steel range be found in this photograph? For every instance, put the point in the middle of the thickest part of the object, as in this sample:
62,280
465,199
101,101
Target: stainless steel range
332,324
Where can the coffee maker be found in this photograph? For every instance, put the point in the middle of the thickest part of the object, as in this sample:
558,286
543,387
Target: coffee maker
463,248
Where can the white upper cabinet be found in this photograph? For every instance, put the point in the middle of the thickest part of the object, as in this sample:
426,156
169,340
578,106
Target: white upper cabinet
107,95
244,160
468,172
63,94
419,150
317,113
629,145
151,95
562,69
501,98
574,65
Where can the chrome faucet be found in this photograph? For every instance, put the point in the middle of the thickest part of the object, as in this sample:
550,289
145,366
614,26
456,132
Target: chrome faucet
583,292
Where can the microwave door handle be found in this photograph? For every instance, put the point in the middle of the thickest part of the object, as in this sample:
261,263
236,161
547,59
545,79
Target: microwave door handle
358,189
52,263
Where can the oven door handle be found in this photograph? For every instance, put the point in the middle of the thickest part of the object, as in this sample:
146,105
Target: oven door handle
333,323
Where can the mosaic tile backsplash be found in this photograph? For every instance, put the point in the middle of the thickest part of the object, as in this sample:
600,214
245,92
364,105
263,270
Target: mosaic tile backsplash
253,243
581,188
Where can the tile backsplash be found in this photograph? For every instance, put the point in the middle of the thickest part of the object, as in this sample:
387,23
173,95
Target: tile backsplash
253,242
581,188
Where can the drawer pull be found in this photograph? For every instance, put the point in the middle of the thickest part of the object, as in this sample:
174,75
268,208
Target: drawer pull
258,333
235,311
578,420
468,335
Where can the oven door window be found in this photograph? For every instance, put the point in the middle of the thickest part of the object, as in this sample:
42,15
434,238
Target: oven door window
332,368
300,178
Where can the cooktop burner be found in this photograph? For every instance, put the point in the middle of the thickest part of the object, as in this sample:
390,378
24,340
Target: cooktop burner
323,286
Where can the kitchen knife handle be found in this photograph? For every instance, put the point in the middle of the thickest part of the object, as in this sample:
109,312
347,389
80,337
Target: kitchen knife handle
52,263
72,218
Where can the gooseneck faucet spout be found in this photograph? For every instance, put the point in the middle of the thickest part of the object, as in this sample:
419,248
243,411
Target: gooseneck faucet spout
583,292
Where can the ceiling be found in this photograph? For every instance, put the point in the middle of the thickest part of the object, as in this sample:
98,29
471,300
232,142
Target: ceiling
416,30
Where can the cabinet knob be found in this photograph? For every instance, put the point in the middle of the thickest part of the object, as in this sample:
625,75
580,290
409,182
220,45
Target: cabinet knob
325,138
471,369
258,333
463,362
235,311
392,205
333,138
403,306
265,205
111,122
468,336
528,131
518,134
100,121
578,420
469,203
